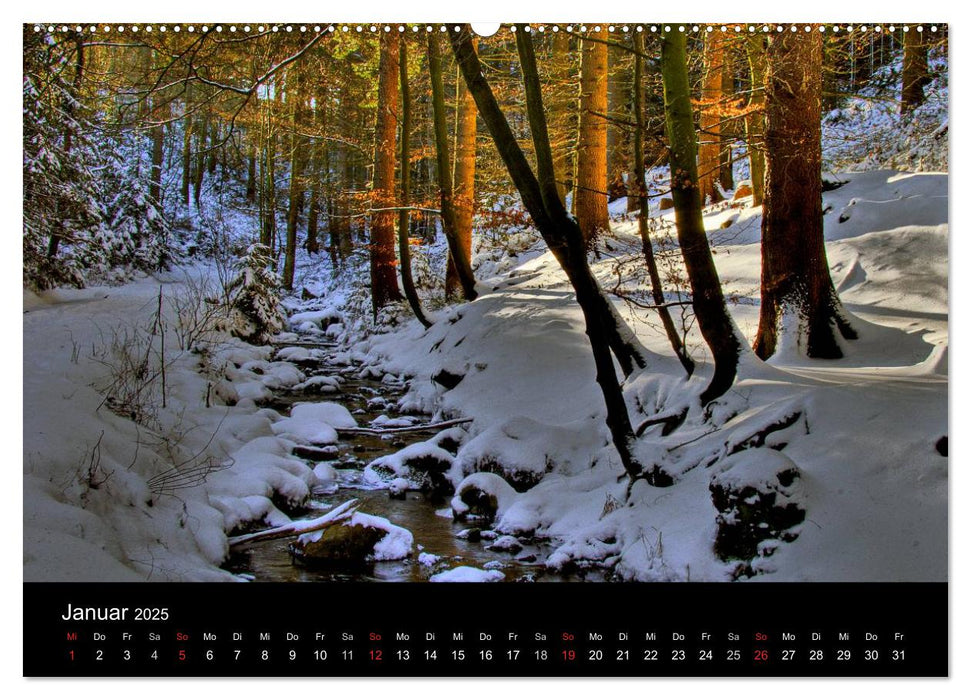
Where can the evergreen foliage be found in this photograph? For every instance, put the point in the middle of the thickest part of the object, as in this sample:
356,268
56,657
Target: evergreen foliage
255,296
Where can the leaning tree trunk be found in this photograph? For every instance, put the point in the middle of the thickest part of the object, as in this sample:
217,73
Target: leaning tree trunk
755,119
915,74
709,149
464,195
591,193
715,324
404,252
457,253
561,233
639,194
384,279
799,302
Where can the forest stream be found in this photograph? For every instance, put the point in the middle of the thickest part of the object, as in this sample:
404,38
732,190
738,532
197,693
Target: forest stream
430,522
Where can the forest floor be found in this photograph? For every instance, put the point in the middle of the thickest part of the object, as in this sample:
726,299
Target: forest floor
852,445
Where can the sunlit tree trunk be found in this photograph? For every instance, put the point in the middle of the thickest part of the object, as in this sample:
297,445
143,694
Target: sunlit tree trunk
563,113
384,279
457,254
591,194
709,148
464,193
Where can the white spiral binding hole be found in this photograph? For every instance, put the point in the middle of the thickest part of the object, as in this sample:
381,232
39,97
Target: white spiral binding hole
428,28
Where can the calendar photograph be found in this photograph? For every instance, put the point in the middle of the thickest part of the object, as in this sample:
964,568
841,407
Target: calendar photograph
613,303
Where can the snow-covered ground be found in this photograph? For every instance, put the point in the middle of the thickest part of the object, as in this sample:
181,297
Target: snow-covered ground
873,486
99,503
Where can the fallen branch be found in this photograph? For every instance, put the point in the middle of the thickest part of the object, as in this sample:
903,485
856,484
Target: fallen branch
406,429
301,344
300,527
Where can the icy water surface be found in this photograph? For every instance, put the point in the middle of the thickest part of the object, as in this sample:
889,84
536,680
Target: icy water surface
430,523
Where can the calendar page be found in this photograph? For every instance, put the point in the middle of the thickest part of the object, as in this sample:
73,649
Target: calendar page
537,349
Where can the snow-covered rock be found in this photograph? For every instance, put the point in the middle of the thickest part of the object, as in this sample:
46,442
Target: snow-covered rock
482,495
467,574
314,423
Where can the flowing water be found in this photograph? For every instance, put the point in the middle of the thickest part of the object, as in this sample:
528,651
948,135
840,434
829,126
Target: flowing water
430,522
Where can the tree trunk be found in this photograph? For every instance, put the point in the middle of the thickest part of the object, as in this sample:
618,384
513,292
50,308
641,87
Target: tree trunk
384,280
639,193
200,166
715,324
591,194
404,252
213,150
799,302
341,235
618,93
158,156
915,74
561,233
187,147
316,175
457,254
755,119
563,110
725,176
709,149
54,242
251,176
464,194
298,150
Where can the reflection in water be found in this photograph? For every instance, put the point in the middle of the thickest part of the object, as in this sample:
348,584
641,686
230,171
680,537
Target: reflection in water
430,523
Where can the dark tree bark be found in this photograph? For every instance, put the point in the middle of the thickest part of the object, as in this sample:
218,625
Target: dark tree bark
618,109
404,252
213,150
715,324
561,233
798,297
69,107
298,163
915,74
251,175
639,194
187,147
755,119
591,192
456,251
384,279
160,111
728,127
200,165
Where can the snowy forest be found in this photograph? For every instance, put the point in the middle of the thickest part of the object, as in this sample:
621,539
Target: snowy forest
415,303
